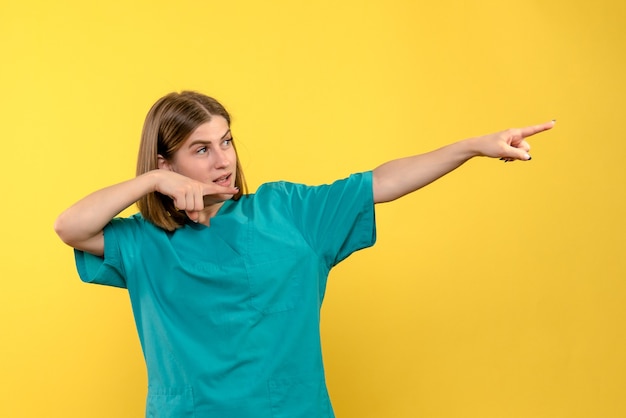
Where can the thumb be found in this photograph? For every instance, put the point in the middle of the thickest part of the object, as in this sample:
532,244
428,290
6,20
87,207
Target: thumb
193,215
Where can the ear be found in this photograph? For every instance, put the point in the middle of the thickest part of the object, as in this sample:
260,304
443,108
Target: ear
162,163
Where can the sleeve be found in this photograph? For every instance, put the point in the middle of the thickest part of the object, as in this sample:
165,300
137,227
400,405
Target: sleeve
336,219
108,270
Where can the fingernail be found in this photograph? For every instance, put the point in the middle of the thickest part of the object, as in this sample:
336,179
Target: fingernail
553,120
528,157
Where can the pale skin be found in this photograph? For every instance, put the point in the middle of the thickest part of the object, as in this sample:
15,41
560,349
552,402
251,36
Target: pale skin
201,175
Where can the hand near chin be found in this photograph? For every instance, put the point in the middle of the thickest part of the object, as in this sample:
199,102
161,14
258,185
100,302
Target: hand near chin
190,195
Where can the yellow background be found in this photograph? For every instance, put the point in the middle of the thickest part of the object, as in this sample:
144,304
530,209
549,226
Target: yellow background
497,292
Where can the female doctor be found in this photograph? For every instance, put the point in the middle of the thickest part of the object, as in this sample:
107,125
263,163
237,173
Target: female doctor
226,287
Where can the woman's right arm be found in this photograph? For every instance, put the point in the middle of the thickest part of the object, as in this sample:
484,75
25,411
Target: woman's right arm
81,225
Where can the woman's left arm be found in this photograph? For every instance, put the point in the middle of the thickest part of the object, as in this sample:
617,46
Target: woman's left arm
400,177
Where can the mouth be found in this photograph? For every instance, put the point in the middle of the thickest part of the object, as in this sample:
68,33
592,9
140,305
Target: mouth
223,180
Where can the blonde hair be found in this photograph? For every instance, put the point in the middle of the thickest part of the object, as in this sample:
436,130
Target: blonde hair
168,124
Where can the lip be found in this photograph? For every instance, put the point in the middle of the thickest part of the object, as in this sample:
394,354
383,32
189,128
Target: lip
223,180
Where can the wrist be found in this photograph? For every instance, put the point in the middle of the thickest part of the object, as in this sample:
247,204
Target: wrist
470,148
150,180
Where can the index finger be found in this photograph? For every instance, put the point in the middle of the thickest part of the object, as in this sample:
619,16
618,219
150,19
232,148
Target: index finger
214,189
217,193
535,129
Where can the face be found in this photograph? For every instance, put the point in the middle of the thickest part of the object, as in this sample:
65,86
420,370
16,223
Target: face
207,155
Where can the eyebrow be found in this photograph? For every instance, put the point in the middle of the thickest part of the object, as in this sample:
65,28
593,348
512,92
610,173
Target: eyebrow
203,141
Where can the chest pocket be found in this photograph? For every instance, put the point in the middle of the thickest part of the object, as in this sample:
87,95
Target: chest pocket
274,285
280,269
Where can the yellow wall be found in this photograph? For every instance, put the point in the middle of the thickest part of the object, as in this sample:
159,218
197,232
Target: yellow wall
497,292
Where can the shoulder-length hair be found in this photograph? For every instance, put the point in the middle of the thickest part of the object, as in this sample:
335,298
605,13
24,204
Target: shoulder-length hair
168,124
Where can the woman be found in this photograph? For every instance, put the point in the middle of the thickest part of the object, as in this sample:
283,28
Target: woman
226,287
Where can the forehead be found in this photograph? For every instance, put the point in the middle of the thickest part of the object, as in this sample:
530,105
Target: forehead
213,130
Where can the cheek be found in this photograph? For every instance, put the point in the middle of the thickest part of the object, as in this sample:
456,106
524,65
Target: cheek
233,156
185,167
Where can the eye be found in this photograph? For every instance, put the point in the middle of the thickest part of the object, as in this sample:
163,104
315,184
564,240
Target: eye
227,143
202,150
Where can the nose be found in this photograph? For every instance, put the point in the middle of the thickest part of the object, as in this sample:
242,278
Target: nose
221,158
